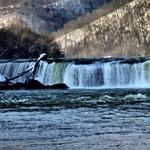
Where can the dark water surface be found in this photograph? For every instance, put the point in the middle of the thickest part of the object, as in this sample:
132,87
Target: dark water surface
75,119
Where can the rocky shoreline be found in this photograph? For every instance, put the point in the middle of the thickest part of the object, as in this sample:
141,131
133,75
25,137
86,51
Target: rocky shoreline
127,60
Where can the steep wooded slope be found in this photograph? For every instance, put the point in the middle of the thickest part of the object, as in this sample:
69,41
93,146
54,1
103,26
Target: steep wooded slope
124,32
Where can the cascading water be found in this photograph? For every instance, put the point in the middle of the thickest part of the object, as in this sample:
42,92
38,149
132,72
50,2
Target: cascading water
10,70
50,74
96,75
84,75
108,75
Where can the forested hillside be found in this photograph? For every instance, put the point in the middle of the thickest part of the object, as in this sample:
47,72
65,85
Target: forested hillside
123,32
82,28
44,16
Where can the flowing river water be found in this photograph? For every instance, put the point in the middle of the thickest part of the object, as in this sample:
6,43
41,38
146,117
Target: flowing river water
74,119
106,108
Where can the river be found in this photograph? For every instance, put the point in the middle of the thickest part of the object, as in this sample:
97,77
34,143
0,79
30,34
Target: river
75,119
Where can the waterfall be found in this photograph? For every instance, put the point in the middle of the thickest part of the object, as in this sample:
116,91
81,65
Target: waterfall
2,78
84,75
50,74
96,75
108,75
11,69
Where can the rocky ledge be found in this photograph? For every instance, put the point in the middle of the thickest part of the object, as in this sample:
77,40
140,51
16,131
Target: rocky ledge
31,84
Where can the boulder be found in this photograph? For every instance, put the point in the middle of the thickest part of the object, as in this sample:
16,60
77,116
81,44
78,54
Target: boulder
59,86
33,84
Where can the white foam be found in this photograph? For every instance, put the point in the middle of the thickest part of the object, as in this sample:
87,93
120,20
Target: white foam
2,78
